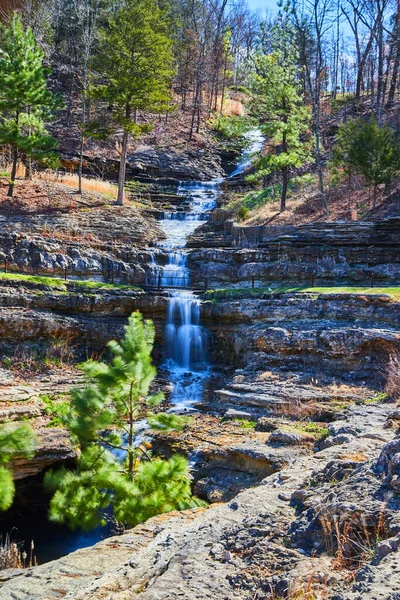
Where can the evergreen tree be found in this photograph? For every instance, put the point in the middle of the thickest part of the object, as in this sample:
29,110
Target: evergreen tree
278,105
15,441
364,148
344,153
25,101
135,69
115,471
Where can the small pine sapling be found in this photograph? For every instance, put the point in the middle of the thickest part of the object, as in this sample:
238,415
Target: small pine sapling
115,471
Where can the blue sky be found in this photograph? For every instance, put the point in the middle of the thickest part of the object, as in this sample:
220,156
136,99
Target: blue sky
262,5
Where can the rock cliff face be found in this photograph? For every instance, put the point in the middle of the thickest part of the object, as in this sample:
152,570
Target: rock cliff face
108,243
291,411
332,252
24,402
179,164
171,162
343,338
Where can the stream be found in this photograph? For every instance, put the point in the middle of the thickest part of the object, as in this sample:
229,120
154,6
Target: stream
185,346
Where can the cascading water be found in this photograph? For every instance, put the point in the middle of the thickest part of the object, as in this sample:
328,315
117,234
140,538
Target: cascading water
255,142
185,340
185,348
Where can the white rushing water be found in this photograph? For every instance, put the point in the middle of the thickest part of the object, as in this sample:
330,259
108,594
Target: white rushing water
185,341
255,143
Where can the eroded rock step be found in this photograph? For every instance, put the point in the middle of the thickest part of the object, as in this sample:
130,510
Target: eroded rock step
266,540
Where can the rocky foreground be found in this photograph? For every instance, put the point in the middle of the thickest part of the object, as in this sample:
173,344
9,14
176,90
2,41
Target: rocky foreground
326,525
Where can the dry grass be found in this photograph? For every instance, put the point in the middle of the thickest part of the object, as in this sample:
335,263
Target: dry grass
28,361
304,205
352,539
71,235
311,586
7,169
298,409
232,107
13,557
70,180
356,457
392,387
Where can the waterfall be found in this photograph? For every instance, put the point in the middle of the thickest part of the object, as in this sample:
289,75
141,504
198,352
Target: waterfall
185,340
185,349
255,143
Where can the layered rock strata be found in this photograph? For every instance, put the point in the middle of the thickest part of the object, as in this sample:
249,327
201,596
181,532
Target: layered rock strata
362,253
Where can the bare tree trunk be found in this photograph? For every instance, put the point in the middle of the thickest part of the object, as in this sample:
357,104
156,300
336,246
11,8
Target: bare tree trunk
195,101
224,83
396,64
380,67
122,164
386,75
82,141
69,105
122,170
28,168
13,172
285,181
80,167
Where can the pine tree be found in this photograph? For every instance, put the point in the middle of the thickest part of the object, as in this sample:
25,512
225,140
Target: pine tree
135,69
344,154
15,441
116,472
25,101
364,148
278,105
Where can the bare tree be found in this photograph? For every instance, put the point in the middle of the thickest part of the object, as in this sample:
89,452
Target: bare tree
364,31
313,20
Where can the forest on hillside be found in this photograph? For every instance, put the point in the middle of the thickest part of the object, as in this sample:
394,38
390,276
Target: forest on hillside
104,74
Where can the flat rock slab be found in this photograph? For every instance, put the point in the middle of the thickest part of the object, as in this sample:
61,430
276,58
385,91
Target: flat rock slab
226,552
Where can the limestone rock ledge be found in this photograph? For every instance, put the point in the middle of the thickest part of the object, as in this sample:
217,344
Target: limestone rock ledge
262,542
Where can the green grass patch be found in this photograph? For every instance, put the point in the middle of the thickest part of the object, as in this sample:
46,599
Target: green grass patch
340,405
318,430
259,292
245,423
393,292
62,285
232,127
381,397
272,193
341,100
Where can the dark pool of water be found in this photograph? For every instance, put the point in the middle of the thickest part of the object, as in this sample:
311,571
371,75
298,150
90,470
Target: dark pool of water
28,520
51,540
